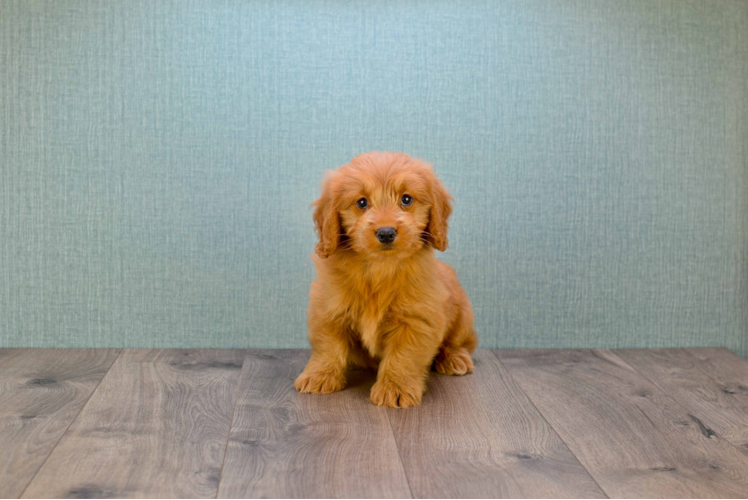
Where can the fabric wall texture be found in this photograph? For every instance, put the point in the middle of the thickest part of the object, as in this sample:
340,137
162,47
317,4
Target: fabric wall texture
158,159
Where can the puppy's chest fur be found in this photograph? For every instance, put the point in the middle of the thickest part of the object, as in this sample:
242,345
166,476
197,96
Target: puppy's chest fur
369,314
374,307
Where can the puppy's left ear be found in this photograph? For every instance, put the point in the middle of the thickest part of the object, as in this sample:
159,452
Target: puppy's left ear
441,209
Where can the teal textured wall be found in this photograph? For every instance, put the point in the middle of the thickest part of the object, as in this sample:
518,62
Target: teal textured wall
158,159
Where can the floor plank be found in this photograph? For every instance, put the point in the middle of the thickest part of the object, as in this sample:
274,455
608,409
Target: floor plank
156,426
714,390
722,364
478,436
634,439
41,392
731,372
288,445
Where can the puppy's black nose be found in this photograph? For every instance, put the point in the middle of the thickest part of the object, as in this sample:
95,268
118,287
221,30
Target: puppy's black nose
386,234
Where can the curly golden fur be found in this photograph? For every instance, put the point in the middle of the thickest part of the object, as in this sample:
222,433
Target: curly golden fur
388,305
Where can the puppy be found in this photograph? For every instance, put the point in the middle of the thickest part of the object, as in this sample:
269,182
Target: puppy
381,299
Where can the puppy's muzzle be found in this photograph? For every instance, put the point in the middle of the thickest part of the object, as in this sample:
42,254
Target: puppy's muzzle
386,234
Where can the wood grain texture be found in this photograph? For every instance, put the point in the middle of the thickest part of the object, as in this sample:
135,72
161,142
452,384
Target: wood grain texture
288,445
478,436
41,392
633,438
156,426
728,369
714,390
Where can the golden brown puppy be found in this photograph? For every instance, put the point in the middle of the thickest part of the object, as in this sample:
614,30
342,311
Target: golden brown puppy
381,299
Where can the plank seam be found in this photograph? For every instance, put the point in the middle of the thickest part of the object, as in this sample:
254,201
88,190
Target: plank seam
399,456
119,353
231,425
493,351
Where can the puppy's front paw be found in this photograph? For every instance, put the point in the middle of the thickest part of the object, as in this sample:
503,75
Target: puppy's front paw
396,395
457,362
319,382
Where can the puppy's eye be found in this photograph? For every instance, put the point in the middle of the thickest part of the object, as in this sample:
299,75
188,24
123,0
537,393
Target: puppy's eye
362,203
406,200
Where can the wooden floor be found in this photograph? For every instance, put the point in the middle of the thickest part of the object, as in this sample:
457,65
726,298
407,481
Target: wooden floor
98,423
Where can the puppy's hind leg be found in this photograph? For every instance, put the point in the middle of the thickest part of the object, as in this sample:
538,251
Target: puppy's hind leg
454,354
451,361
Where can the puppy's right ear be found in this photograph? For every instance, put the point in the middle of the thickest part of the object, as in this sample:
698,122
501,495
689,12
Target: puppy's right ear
327,220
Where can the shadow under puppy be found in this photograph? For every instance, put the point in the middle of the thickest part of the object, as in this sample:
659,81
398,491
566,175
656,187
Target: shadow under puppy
381,299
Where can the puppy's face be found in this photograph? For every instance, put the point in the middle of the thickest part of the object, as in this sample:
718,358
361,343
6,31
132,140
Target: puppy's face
382,206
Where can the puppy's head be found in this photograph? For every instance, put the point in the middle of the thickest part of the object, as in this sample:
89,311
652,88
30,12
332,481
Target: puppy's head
382,206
